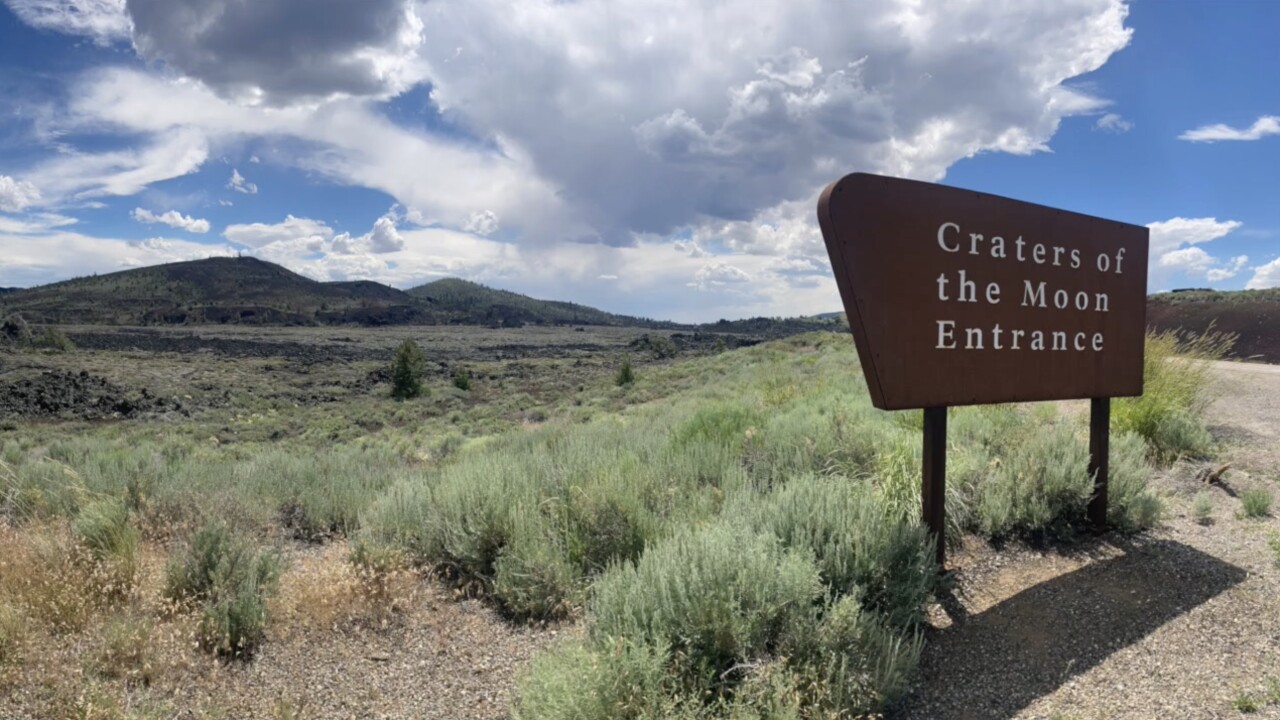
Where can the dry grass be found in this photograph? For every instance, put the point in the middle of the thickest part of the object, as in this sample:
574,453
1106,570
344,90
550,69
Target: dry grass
323,592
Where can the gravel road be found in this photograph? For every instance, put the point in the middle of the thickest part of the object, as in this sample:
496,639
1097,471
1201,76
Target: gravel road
1182,623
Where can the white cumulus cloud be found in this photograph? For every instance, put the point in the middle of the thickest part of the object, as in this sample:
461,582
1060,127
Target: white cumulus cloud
103,21
17,195
240,185
1113,123
1174,250
1262,127
290,230
1265,276
172,218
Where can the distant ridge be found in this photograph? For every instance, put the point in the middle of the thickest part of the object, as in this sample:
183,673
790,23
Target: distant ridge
214,290
485,305
246,290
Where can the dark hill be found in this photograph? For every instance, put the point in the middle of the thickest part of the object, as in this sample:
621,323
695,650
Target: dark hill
1253,315
484,305
215,290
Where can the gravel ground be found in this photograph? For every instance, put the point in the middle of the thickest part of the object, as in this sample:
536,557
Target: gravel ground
1180,623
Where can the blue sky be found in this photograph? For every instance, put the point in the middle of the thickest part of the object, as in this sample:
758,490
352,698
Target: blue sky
651,157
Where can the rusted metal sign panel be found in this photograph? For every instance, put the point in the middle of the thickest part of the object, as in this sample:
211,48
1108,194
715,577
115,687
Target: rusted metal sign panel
962,298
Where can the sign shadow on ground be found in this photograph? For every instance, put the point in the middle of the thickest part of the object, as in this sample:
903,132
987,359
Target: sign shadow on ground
992,664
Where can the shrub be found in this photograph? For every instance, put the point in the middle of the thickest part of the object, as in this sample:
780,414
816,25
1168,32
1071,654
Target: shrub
717,597
231,579
575,681
852,664
626,375
532,575
235,615
1202,508
1042,487
861,544
462,379
1256,502
406,371
189,575
54,339
1131,505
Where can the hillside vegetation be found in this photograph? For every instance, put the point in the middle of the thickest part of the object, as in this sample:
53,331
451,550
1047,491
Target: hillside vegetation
737,532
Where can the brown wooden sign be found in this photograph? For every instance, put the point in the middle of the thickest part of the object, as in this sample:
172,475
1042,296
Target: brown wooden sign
960,298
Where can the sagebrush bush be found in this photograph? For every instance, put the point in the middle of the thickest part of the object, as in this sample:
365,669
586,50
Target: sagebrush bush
231,580
532,575
716,597
1131,504
1042,487
234,621
1255,502
851,663
861,544
575,681
190,573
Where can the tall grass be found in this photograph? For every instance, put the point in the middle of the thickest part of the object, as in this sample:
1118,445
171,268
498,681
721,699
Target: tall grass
1177,388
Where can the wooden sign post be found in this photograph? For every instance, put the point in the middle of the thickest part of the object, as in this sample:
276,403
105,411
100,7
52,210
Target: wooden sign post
956,297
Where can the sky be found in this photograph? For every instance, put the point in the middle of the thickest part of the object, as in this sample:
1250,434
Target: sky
660,158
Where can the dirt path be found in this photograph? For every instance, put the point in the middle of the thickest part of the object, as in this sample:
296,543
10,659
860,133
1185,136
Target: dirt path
1183,623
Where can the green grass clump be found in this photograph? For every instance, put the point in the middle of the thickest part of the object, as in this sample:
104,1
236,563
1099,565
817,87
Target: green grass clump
1255,502
1247,704
626,375
1202,508
13,632
1176,391
230,578
103,527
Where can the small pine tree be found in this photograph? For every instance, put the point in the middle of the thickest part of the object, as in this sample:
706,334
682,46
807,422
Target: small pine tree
626,375
406,371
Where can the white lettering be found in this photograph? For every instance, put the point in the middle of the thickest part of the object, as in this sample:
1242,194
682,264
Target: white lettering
1059,340
1097,342
1061,299
1104,262
1029,296
969,335
942,241
1079,341
946,335
993,294
1082,300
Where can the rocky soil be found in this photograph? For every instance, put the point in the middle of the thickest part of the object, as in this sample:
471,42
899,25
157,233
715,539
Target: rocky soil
1181,623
